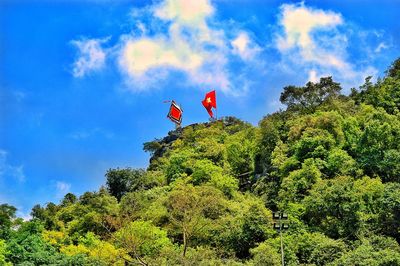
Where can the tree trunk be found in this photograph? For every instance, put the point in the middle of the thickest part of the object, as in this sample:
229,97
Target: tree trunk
184,243
138,258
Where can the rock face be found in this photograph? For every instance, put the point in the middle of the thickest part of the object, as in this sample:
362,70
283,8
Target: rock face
158,147
166,142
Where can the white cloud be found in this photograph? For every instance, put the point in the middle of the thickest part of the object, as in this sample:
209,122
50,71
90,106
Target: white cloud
91,56
312,39
25,215
184,40
62,188
381,46
147,59
312,76
185,12
244,46
299,21
8,170
138,56
175,38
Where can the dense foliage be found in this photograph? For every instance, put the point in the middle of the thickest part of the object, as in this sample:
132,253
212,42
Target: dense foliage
330,161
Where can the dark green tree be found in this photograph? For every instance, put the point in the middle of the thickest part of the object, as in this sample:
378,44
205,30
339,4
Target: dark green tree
394,69
68,199
121,181
307,98
389,215
7,215
344,207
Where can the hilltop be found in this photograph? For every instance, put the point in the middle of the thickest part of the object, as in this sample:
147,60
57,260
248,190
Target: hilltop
330,161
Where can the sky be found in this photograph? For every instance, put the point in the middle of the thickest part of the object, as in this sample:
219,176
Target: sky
82,82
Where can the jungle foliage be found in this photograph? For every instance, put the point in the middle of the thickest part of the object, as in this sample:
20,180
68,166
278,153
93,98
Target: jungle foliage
330,161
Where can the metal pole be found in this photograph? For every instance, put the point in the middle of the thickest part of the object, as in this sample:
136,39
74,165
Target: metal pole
280,232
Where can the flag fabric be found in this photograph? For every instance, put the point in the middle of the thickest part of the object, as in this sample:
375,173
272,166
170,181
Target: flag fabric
175,113
209,102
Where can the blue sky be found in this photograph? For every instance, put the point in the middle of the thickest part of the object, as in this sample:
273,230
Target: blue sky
82,82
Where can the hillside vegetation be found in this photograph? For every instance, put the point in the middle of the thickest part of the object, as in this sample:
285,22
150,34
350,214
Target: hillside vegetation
330,161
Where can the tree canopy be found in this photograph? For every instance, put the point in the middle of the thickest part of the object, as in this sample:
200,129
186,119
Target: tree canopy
330,161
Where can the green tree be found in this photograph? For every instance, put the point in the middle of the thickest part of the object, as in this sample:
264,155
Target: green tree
192,209
206,172
375,251
379,144
121,181
27,246
304,248
271,129
307,98
145,204
339,162
68,199
264,254
384,93
7,215
38,212
90,217
245,223
240,151
3,253
97,251
394,69
179,164
141,239
389,215
297,185
344,207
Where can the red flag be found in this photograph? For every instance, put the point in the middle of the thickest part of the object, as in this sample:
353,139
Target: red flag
209,102
175,113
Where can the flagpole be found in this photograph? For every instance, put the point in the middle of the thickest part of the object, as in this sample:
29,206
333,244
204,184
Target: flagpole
216,109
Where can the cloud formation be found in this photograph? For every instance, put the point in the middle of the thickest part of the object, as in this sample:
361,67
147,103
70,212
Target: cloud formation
299,22
188,44
7,170
184,41
313,39
62,188
381,46
244,46
190,13
173,37
91,56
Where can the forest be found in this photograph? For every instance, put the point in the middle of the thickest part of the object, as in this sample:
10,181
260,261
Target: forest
329,160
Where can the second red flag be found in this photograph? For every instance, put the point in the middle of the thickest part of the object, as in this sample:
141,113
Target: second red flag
210,102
